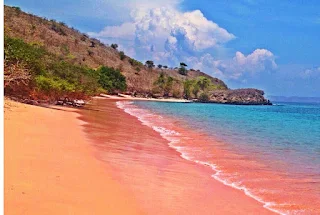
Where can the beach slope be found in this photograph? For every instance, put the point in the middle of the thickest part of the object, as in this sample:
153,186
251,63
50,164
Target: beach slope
50,166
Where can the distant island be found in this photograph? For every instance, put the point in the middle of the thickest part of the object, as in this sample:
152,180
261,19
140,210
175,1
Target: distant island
45,60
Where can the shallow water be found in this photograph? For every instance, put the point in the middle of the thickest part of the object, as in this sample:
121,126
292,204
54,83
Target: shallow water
272,153
150,167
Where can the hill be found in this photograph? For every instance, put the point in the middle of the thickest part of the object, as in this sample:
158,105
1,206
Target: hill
73,57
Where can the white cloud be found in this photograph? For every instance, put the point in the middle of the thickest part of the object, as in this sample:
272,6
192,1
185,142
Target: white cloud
157,30
238,67
124,31
165,29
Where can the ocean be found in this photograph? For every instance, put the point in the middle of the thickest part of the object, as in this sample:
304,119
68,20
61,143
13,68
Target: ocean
271,153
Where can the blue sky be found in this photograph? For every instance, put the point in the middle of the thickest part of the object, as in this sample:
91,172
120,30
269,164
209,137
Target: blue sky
272,45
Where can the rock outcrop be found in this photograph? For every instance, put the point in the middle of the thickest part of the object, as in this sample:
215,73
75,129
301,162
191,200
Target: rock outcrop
239,97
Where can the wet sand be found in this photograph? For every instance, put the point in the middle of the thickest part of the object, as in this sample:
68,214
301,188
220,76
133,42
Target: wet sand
50,168
159,179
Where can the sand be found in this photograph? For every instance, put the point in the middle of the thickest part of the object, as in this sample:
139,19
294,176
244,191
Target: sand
128,97
112,164
50,167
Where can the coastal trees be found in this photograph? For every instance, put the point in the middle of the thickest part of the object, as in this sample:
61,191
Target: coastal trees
111,79
31,69
164,84
182,69
187,88
195,89
204,97
168,86
198,85
203,82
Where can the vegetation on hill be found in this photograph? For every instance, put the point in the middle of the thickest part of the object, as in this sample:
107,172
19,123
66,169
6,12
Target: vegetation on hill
46,58
29,67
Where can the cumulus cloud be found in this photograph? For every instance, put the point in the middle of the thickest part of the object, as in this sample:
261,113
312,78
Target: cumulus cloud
167,32
239,66
166,35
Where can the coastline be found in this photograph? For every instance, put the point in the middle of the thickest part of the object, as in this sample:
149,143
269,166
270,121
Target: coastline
158,177
50,168
112,164
127,97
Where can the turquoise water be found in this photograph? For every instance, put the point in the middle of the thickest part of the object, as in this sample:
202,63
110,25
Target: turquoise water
287,130
284,137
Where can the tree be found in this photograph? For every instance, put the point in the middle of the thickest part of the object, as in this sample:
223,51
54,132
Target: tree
195,89
168,86
161,81
204,82
122,55
182,69
166,67
204,97
111,79
183,64
114,46
187,88
159,66
149,64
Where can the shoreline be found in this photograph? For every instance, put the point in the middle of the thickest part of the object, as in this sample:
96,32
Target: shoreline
104,164
157,171
127,97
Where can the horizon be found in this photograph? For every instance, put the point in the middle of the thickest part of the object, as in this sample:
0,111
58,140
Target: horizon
248,44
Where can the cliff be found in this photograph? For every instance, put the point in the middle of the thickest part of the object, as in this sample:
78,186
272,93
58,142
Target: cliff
239,97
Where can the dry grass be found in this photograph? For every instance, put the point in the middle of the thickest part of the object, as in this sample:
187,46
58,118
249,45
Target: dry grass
78,48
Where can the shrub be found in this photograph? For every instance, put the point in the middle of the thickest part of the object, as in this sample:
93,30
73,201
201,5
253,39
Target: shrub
114,46
149,64
111,79
93,44
48,73
57,28
16,50
204,97
134,62
176,94
182,69
168,86
64,49
122,55
84,37
187,89
90,53
54,85
195,89
17,10
204,82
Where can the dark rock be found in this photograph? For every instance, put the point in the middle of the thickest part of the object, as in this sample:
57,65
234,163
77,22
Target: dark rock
59,102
